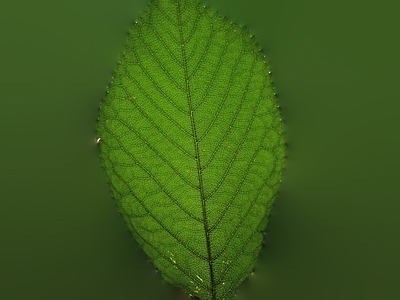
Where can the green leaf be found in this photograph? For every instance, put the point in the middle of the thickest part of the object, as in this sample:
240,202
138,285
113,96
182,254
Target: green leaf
192,144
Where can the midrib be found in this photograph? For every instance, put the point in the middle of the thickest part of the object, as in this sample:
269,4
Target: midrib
197,156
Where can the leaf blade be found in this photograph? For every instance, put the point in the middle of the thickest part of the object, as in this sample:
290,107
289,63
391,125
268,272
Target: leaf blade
192,144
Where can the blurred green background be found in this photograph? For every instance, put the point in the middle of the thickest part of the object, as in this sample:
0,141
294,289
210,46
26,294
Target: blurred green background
335,229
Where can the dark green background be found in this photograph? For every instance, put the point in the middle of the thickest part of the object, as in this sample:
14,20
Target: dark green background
334,231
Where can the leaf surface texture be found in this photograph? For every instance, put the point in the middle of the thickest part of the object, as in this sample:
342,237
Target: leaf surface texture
192,144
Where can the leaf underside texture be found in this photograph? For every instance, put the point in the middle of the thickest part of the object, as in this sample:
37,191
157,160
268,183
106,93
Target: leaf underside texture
192,144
